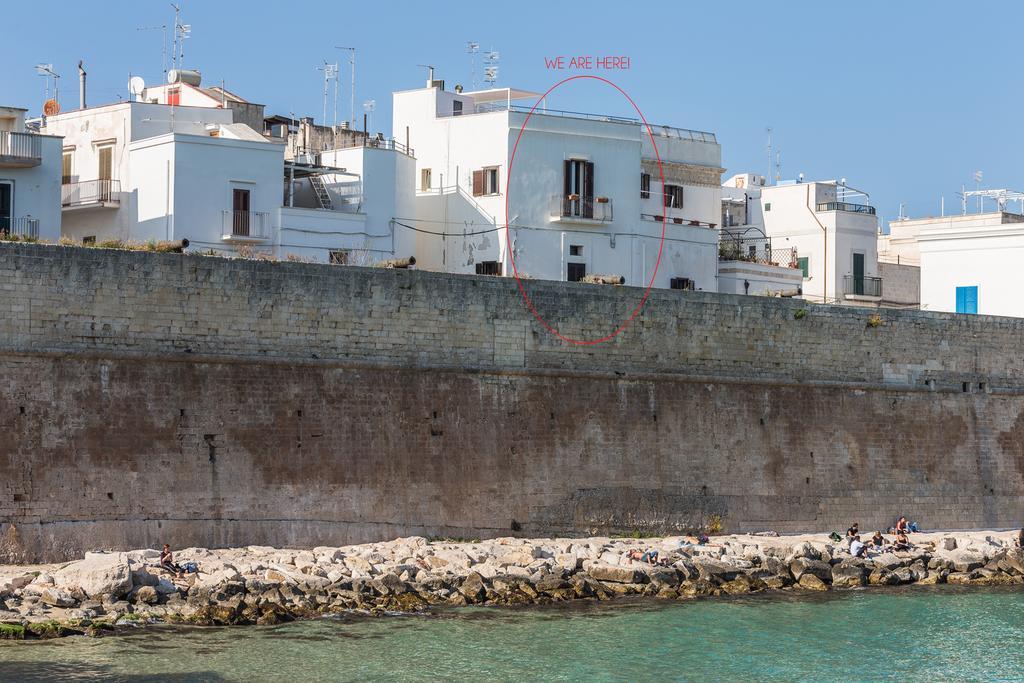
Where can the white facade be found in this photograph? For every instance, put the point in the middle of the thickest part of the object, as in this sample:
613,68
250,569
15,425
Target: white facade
971,263
139,172
575,199
835,237
29,179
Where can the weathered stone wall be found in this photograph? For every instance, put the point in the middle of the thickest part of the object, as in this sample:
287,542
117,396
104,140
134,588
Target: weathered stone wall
193,400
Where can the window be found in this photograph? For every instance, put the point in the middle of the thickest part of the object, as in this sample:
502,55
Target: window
575,250
485,181
681,283
457,108
174,96
967,299
645,186
804,264
66,167
768,206
575,271
6,206
106,158
338,257
488,268
578,188
425,179
674,196
88,239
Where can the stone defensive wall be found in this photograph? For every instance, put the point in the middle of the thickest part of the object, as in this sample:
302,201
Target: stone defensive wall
150,398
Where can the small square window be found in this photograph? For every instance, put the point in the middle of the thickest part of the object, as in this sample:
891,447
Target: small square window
488,268
768,206
425,180
339,257
89,240
575,250
804,264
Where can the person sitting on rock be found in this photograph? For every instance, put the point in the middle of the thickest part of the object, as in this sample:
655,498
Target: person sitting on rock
167,561
853,530
857,548
877,540
901,525
902,542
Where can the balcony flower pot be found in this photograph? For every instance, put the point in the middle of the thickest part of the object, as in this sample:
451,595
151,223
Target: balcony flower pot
602,200
677,221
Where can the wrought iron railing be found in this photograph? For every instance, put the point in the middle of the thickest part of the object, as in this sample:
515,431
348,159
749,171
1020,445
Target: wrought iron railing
733,247
862,286
19,227
846,206
20,145
379,143
246,224
577,206
90,192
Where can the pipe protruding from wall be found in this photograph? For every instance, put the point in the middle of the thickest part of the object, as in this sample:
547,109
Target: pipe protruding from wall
397,263
81,85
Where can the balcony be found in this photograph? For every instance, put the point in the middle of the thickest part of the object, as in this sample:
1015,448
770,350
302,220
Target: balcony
847,207
20,150
91,194
581,210
19,227
862,287
244,226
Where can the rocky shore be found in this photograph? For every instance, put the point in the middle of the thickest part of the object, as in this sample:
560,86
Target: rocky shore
263,585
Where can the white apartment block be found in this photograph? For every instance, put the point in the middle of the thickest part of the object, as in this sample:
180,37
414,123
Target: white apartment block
970,263
584,192
29,179
158,169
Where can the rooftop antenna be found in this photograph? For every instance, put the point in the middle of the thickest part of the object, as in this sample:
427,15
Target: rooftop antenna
352,87
769,131
47,72
491,67
778,166
430,74
977,186
368,107
472,48
330,74
181,32
163,43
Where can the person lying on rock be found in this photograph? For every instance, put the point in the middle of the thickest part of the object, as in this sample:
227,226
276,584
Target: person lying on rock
167,562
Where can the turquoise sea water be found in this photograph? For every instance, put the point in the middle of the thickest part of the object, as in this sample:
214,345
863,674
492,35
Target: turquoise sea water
916,634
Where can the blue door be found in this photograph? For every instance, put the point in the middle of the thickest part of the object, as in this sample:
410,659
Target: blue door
967,299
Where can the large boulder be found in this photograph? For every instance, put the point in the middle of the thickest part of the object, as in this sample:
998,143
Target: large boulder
802,566
55,597
965,561
146,594
98,574
615,574
848,575
812,582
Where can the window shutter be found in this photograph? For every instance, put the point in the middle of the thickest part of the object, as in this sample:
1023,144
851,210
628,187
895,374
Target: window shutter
667,195
567,179
588,188
478,183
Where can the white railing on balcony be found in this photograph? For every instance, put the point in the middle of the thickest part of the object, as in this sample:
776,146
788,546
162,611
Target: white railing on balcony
245,225
20,145
584,208
19,227
90,192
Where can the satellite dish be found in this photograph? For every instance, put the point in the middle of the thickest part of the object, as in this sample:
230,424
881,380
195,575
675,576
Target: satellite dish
51,107
136,85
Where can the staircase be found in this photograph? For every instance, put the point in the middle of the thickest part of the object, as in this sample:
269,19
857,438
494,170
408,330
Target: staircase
322,196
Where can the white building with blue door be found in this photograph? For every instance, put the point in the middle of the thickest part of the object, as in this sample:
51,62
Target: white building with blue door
971,263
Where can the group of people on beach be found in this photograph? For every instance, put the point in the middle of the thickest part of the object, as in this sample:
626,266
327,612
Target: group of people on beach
878,543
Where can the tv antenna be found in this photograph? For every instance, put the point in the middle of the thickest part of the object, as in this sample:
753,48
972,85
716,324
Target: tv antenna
352,87
163,43
330,74
978,175
472,48
491,67
769,131
47,72
368,107
181,33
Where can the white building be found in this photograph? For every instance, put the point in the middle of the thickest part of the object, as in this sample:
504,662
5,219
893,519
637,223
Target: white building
969,263
150,171
29,179
584,197
835,234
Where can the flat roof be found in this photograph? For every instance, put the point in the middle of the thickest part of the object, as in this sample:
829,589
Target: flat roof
501,94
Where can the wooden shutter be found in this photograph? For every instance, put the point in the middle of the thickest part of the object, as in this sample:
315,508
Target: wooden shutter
667,195
567,179
478,183
106,163
588,179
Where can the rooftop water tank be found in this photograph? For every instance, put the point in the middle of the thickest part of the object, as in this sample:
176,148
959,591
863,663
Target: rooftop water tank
184,76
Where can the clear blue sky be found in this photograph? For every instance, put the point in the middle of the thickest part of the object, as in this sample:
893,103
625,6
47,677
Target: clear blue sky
904,99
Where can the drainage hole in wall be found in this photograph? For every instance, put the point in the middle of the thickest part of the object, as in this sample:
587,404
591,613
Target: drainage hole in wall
110,495
21,409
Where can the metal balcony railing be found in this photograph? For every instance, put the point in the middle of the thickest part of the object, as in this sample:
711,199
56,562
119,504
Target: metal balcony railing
846,206
23,147
19,227
90,192
862,286
586,208
244,224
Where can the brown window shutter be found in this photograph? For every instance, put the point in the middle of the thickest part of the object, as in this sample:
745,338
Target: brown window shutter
567,178
588,189
668,195
478,183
